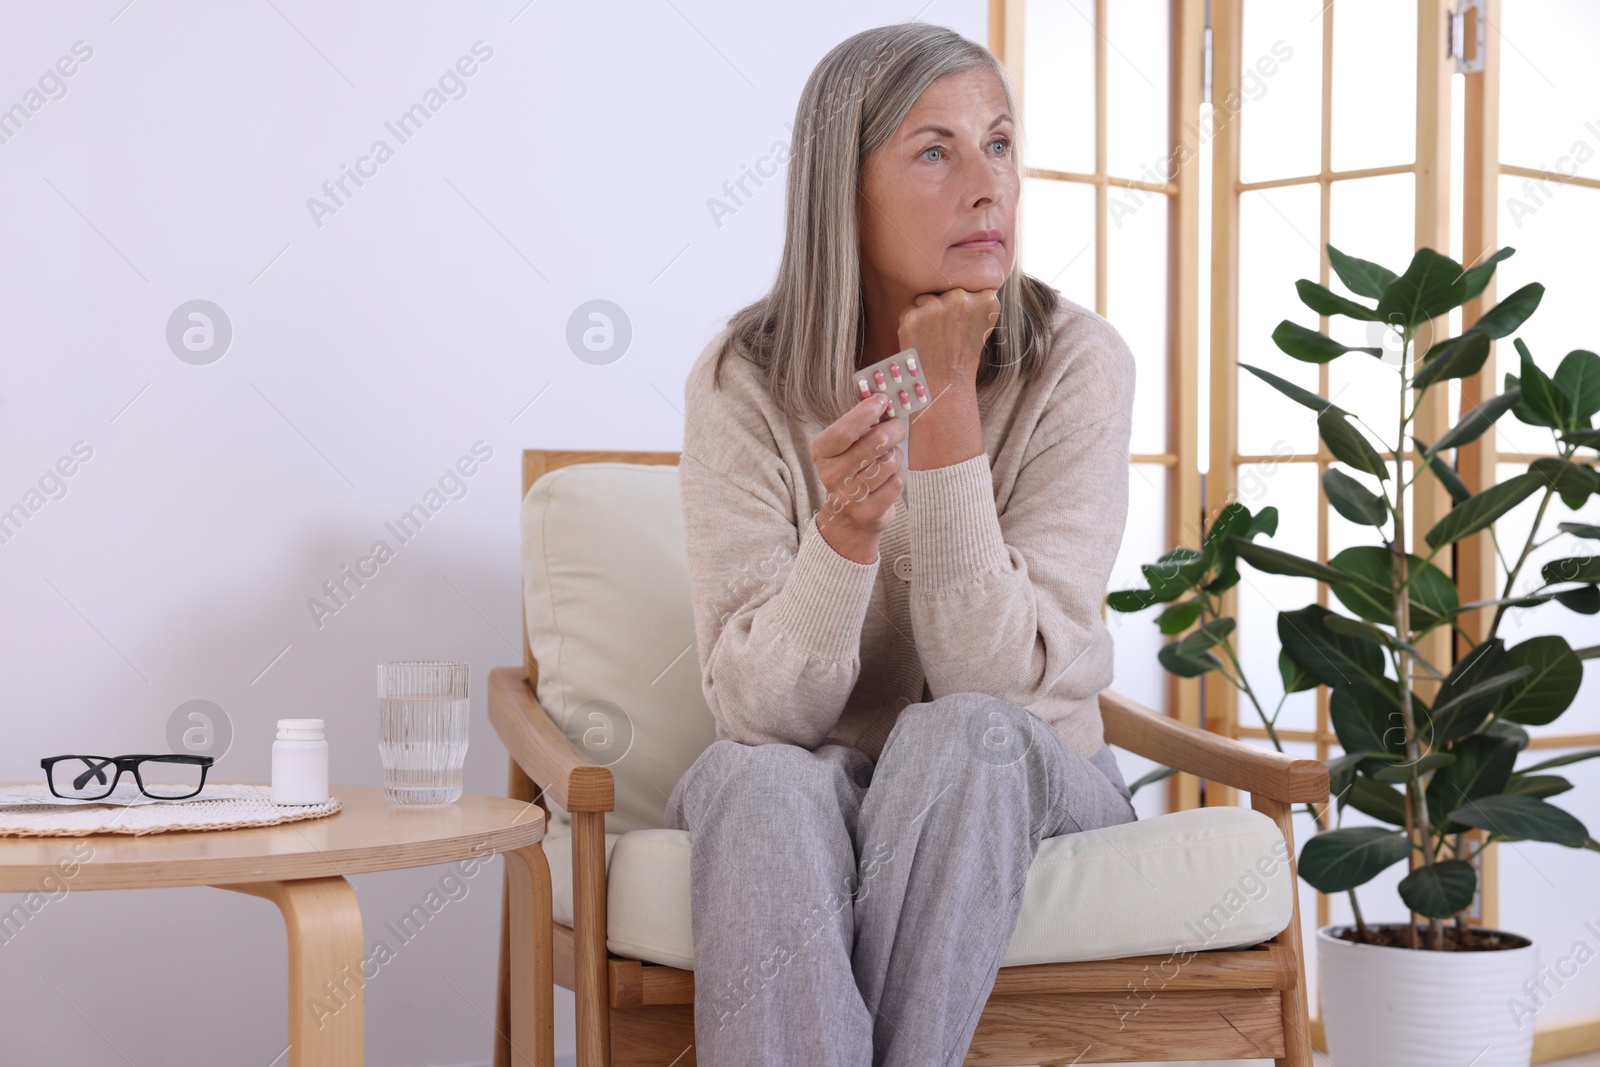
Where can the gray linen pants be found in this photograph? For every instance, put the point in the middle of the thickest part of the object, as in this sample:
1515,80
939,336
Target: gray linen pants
849,914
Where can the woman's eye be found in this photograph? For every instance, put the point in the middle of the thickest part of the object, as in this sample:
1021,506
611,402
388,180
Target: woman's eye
1002,141
932,148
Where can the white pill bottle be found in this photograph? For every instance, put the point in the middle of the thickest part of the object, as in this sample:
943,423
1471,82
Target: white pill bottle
300,763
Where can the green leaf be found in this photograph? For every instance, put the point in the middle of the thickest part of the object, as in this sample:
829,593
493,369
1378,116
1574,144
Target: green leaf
1448,478
1583,438
1309,346
1352,499
1585,599
1550,685
1537,785
1366,718
1508,731
1328,657
1402,772
1477,278
1206,637
1382,802
1562,761
1128,600
1341,771
1369,592
1186,666
1347,444
1337,860
1482,768
1326,302
1483,509
1290,390
1360,276
1275,561
1573,482
1571,569
1542,403
1440,890
1179,617
1579,529
1522,818
1432,285
1513,311
1472,425
1174,574
1456,357
1295,678
1579,378
1265,522
1469,692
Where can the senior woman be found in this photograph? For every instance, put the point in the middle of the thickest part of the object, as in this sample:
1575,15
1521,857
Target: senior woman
898,626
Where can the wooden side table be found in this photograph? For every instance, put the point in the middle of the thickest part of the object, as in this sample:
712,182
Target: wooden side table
301,867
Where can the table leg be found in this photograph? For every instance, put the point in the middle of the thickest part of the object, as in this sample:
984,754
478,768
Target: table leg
327,1005
532,978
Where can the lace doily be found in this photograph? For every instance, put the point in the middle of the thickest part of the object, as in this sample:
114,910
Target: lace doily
32,811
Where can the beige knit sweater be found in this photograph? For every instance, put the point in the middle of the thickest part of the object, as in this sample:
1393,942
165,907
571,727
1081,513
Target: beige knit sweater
989,579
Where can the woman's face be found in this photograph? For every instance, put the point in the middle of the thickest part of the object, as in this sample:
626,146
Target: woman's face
945,175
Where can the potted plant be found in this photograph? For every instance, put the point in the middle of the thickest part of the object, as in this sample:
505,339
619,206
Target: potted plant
1431,749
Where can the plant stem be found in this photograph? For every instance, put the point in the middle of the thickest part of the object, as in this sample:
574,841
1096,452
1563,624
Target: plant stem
1527,546
1402,629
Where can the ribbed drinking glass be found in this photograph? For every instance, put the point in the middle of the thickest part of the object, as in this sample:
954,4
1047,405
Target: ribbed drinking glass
422,730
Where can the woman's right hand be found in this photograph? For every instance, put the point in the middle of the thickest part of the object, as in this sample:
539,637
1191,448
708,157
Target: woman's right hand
859,462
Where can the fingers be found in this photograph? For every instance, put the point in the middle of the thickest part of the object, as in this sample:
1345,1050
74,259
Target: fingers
839,436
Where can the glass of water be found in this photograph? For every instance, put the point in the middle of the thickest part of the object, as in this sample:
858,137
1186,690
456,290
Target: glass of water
422,730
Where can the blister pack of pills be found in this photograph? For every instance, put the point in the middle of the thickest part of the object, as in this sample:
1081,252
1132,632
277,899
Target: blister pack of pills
900,378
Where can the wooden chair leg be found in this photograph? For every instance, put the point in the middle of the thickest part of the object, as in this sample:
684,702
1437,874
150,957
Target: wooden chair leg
531,1034
589,939
518,787
1296,1013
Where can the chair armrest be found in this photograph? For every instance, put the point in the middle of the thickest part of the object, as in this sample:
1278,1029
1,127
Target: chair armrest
542,751
1171,743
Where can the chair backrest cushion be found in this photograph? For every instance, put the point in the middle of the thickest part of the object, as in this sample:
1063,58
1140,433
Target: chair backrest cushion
611,625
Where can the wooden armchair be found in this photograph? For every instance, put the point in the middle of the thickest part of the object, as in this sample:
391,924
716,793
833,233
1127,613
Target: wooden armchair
1247,1002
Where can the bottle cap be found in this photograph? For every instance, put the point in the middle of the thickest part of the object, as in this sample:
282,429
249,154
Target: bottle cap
300,730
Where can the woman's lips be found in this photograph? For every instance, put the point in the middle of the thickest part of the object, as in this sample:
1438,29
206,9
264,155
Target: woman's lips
980,240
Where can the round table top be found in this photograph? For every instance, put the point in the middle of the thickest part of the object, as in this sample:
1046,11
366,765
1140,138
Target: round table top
367,834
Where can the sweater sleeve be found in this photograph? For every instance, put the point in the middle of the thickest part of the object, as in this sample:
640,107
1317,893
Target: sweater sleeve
778,612
1009,604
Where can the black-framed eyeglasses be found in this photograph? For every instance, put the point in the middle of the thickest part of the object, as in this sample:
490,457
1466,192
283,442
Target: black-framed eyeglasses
173,775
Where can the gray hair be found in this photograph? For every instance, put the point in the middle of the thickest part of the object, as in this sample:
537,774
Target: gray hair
806,334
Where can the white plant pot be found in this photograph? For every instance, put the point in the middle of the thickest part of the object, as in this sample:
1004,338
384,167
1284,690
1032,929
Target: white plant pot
1401,1007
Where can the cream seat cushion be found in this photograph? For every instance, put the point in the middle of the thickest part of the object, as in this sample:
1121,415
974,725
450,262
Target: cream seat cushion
610,623
1195,880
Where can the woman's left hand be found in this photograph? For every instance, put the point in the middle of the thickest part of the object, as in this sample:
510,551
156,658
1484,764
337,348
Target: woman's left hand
948,330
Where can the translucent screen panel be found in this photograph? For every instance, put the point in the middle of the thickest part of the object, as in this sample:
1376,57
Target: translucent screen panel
1058,84
1277,244
1280,90
1144,539
1292,489
1549,86
1519,624
1553,249
1138,47
1374,83
1136,302
1058,236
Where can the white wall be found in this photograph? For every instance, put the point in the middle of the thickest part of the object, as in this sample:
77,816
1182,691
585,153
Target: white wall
370,349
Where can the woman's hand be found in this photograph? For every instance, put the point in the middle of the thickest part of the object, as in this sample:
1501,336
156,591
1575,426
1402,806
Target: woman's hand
948,330
859,463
